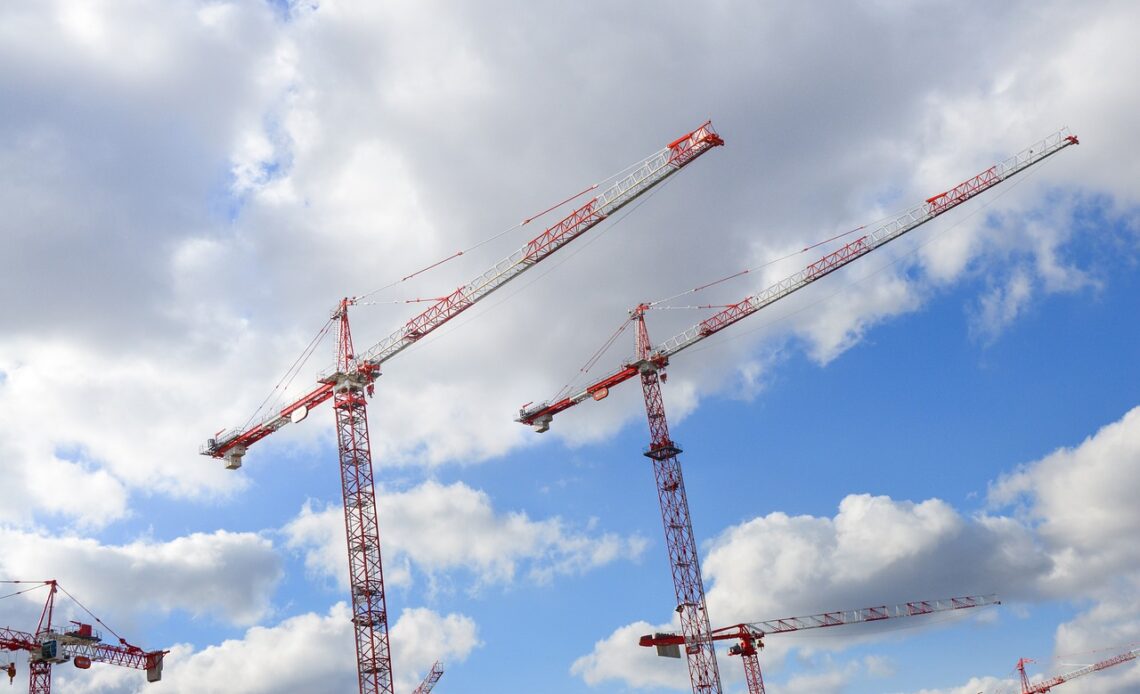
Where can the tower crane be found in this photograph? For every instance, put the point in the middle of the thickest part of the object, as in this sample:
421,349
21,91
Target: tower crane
749,637
355,373
649,364
51,645
1040,687
430,681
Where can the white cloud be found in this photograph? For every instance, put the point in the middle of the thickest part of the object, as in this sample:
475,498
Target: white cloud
1002,305
977,684
189,186
874,551
307,653
618,657
290,162
227,576
1080,500
442,529
1064,541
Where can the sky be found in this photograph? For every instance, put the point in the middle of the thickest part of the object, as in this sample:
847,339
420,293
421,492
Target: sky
189,187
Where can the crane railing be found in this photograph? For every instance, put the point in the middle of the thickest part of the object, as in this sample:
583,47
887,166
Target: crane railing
642,177
540,415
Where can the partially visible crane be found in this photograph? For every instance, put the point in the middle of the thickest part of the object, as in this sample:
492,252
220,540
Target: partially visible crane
649,364
749,636
1040,687
430,681
81,644
354,376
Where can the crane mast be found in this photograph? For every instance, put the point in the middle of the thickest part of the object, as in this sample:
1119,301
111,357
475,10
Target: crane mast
353,377
365,572
749,636
679,539
541,415
643,177
1041,687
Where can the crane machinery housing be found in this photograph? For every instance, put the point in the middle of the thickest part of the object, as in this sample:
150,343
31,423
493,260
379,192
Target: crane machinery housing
51,645
649,365
749,637
354,375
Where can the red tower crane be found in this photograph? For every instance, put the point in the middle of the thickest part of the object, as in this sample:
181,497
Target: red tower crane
749,637
650,363
81,644
430,681
1040,687
355,373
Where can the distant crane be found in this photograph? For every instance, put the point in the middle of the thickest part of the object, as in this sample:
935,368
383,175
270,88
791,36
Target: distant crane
1040,687
81,644
749,636
650,363
355,374
430,681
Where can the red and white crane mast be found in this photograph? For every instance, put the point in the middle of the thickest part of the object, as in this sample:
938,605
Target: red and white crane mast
679,539
750,636
353,377
1041,687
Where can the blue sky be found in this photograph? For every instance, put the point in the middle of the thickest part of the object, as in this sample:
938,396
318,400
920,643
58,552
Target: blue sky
189,187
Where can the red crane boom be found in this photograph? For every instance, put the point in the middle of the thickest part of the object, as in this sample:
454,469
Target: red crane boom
1040,687
655,169
749,636
354,375
431,680
540,415
80,644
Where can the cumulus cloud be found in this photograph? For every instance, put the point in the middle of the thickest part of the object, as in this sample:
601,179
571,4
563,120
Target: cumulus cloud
442,529
875,550
227,576
1080,500
188,187
617,657
319,139
1060,538
309,653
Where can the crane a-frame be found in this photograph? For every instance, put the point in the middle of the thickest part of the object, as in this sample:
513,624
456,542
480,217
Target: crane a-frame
1028,687
649,364
80,643
749,637
355,373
